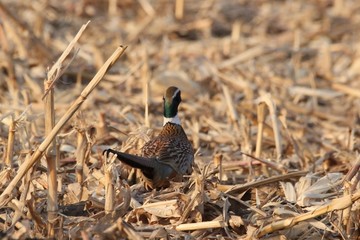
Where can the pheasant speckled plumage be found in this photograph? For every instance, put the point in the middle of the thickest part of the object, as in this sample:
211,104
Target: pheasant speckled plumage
167,156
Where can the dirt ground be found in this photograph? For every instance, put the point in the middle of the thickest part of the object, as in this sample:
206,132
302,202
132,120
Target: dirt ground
271,105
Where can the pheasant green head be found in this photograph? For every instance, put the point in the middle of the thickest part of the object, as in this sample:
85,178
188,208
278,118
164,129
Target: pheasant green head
172,99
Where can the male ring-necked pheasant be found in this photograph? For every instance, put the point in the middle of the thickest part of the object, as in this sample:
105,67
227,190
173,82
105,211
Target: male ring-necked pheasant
167,156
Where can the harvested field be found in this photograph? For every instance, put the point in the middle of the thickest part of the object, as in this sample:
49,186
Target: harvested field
271,105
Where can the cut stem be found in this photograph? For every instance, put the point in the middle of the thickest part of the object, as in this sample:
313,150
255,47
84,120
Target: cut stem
10,146
50,155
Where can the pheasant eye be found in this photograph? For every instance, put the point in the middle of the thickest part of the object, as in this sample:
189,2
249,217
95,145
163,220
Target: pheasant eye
177,98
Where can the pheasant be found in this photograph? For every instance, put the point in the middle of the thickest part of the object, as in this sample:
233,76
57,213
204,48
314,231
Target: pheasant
169,155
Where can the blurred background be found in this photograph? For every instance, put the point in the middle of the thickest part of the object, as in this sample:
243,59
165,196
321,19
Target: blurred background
222,54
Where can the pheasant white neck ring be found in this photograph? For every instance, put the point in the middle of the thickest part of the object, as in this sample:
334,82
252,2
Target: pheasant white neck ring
175,120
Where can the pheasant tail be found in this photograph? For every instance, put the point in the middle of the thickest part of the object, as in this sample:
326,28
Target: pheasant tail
133,161
154,173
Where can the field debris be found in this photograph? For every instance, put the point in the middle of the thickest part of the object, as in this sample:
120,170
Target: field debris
271,104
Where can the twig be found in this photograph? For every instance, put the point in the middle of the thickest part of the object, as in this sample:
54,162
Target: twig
179,9
242,187
81,149
52,201
201,225
10,144
109,168
218,164
323,93
57,66
124,227
336,204
277,166
346,89
272,108
245,56
260,131
146,90
145,4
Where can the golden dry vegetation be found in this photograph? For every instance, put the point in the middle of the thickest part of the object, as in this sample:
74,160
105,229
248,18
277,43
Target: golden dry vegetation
271,103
